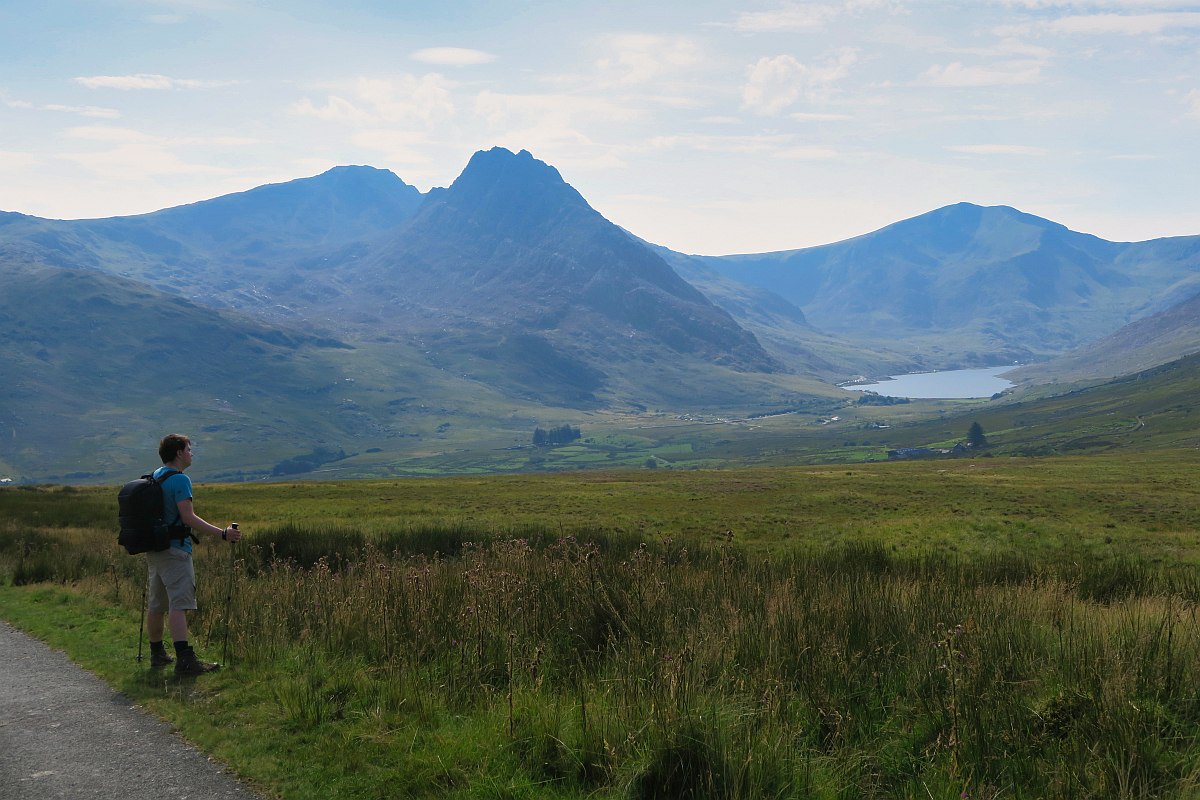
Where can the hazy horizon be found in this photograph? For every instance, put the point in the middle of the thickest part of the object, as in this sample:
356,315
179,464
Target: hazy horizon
708,129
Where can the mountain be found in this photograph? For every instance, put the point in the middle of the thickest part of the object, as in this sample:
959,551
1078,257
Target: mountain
1153,340
783,331
976,284
507,276
226,252
346,310
515,266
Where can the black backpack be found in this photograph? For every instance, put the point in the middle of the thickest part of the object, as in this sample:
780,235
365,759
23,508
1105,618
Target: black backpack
140,505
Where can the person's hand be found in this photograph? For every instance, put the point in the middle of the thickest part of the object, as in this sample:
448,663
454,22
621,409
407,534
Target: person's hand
231,534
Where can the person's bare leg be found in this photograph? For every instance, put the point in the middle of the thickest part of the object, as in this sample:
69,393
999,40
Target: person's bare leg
154,625
177,624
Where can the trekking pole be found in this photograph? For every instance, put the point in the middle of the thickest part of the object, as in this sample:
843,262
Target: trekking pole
228,601
142,624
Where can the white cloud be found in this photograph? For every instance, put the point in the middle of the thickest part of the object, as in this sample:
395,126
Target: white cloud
551,125
335,109
674,102
904,37
1123,4
998,149
166,19
1009,31
139,156
452,56
317,165
225,141
641,57
775,83
806,117
792,17
722,120
806,153
761,143
1124,24
146,81
639,198
104,133
87,111
1007,47
1192,99
10,160
956,75
400,146
19,104
408,98
500,109
136,161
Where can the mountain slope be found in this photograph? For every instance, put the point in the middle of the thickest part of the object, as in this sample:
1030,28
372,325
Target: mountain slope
89,359
511,241
225,252
511,278
783,331
993,281
1153,340
96,368
1146,410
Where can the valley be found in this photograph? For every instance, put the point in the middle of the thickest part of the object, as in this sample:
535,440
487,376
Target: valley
426,334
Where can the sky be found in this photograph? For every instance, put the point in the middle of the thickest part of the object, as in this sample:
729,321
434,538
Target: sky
708,127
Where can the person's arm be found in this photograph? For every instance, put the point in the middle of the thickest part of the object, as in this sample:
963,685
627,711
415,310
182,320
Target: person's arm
187,515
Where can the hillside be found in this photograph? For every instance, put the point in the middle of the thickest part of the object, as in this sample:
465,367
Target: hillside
972,285
520,275
507,278
785,334
232,251
1141,345
96,368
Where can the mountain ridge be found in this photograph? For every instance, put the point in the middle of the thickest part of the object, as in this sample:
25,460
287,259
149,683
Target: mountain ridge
1008,285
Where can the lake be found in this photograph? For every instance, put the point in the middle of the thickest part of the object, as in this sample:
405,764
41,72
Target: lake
949,385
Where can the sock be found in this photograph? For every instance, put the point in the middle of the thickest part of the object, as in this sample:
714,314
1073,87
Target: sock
158,647
181,647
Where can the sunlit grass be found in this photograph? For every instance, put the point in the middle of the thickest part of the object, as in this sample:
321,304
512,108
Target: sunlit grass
891,632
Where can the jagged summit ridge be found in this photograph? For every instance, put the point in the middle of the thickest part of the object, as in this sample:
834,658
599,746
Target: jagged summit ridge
511,240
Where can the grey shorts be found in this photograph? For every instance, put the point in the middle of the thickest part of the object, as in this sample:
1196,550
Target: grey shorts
172,580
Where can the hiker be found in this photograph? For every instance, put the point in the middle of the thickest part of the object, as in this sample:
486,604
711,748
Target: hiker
172,577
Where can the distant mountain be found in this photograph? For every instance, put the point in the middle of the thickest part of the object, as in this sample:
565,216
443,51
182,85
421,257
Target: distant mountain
514,266
783,331
1147,343
507,280
225,252
983,284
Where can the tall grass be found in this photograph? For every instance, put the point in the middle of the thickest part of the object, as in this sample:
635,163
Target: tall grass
662,670
668,669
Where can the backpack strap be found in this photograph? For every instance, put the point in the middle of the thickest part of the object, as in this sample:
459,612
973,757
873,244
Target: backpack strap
161,478
184,531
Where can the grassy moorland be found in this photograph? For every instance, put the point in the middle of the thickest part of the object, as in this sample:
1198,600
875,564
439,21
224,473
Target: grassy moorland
998,628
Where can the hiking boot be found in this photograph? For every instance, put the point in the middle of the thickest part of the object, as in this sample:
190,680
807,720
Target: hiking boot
188,664
160,658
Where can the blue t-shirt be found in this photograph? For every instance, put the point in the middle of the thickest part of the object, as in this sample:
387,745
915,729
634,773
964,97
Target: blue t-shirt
175,488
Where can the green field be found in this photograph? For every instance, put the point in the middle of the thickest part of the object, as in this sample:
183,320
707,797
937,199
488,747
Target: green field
1004,627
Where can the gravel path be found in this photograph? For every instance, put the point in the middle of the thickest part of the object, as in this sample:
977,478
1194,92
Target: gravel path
65,734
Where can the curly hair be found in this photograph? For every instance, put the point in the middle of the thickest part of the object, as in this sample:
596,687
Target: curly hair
170,446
